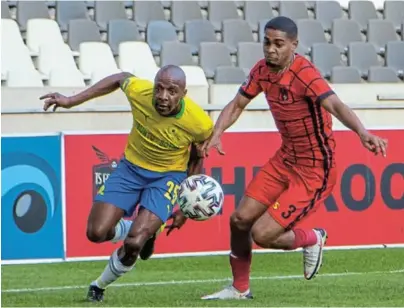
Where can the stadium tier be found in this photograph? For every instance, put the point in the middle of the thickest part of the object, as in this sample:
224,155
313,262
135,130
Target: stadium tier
76,43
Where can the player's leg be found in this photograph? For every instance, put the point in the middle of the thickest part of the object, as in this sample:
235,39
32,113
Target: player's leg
265,188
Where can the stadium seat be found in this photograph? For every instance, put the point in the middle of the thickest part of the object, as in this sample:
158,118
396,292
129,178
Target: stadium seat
159,31
326,12
310,32
101,72
176,53
212,55
325,56
65,77
195,76
166,4
395,57
293,9
379,32
121,30
220,11
394,12
197,31
362,56
51,57
382,74
229,75
82,30
345,32
5,11
108,10
146,11
362,12
254,11
43,32
25,78
261,28
248,55
343,74
69,10
137,58
30,9
94,53
181,11
236,31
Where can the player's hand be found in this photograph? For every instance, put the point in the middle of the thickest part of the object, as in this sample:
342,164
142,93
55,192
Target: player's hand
56,100
178,221
213,142
374,143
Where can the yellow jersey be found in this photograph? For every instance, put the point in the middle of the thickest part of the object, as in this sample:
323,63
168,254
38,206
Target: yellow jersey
160,143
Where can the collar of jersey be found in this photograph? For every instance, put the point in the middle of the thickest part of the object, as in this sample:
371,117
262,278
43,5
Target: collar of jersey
179,114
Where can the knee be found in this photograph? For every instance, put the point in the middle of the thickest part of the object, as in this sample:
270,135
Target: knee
240,223
134,243
263,238
96,234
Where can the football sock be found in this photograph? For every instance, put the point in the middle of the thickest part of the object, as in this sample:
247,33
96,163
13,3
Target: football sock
304,238
112,271
241,272
121,230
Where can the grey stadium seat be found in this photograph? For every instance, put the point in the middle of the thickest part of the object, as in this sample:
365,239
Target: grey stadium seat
326,12
5,11
108,10
68,10
197,31
254,11
394,12
181,11
343,74
146,11
380,32
248,55
362,12
293,9
176,53
159,31
221,10
121,30
362,56
212,55
29,10
310,32
236,31
382,74
325,56
395,56
82,30
345,32
229,75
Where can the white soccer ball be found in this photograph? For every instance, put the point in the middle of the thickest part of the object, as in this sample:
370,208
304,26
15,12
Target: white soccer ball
200,197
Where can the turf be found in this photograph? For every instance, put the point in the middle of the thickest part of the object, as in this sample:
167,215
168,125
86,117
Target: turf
364,278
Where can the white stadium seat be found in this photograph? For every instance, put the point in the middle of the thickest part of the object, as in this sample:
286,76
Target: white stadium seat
95,54
101,73
55,57
137,58
24,78
195,76
66,77
43,32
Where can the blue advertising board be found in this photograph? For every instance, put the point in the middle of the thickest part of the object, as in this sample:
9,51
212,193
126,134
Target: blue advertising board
31,198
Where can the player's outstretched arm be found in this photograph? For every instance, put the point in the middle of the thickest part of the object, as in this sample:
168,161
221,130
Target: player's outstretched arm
103,87
347,117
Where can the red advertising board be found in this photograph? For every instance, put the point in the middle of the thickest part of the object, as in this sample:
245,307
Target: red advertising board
367,206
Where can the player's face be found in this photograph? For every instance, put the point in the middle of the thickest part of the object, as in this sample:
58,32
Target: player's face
167,96
278,48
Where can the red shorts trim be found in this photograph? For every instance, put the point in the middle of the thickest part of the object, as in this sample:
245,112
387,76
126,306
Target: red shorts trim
291,192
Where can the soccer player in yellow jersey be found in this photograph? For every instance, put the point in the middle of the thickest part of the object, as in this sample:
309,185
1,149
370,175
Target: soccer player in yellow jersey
161,152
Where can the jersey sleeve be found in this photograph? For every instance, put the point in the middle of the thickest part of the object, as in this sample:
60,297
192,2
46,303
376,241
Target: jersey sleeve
128,85
251,87
316,87
205,128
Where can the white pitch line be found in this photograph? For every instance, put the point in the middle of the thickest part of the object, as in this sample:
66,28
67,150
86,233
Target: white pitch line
202,281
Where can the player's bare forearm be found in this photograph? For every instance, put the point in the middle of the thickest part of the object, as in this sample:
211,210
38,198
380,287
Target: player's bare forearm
343,113
104,86
195,163
230,113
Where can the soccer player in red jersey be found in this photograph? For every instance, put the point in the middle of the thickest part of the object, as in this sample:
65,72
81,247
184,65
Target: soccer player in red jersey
302,173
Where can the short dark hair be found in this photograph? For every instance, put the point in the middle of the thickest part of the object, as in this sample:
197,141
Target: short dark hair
283,24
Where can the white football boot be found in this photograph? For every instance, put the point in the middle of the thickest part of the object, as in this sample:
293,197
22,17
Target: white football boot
313,255
229,293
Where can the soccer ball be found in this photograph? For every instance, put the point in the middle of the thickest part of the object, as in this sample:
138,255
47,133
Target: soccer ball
200,197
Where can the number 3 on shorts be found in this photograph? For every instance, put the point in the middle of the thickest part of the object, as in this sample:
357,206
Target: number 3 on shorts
172,192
